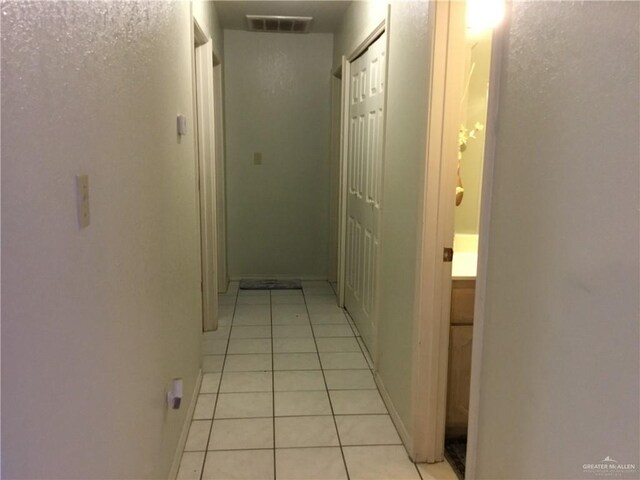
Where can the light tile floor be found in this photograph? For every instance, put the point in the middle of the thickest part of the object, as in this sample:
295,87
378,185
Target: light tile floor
288,393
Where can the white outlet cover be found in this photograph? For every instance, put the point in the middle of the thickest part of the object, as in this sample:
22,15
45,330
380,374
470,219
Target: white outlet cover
182,125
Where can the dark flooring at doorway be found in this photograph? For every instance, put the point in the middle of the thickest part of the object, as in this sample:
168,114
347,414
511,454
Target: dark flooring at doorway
269,284
455,450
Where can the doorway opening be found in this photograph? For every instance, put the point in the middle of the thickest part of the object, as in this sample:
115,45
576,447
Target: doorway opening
457,194
470,162
208,138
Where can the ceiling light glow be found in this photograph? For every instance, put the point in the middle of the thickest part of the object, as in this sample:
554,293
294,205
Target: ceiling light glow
484,14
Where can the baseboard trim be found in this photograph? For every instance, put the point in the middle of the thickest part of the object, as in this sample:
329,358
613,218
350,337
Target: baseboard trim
395,417
182,441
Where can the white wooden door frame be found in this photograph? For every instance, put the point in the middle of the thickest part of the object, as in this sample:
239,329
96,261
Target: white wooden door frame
345,73
221,208
434,278
205,144
430,358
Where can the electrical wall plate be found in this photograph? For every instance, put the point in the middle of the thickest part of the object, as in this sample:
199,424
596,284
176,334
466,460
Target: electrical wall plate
182,125
82,193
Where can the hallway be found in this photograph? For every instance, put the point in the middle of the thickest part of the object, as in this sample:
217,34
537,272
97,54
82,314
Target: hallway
287,368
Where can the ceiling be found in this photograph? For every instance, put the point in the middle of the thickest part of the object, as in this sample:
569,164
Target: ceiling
327,15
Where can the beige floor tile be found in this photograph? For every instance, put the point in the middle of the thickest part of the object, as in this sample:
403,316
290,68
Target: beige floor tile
210,382
324,309
296,361
349,380
226,299
214,346
198,435
241,434
287,300
352,402
367,430
191,466
294,345
332,331
306,432
259,331
338,345
252,315
245,405
234,382
291,319
323,290
379,463
310,464
252,320
285,292
292,331
212,363
335,318
288,309
253,362
220,334
343,361
253,293
321,300
204,407
289,381
437,471
239,465
302,403
253,300
249,345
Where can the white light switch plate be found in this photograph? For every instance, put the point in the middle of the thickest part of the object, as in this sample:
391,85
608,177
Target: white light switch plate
82,187
182,125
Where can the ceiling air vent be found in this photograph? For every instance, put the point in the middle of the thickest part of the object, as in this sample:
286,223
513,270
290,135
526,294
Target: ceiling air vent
273,23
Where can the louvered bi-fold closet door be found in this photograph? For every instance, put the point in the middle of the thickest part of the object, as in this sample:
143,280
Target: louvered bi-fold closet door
364,178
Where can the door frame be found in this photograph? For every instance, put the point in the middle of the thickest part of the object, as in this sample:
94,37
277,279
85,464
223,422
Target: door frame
344,72
206,148
221,174
433,286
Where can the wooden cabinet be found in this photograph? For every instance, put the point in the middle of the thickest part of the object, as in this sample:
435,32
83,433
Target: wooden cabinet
460,343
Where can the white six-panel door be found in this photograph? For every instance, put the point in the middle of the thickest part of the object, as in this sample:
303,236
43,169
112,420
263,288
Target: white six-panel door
364,179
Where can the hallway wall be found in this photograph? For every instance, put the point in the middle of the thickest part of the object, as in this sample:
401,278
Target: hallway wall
277,101
404,161
404,165
97,321
560,357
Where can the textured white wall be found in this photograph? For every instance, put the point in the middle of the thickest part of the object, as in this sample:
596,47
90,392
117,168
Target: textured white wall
404,163
204,11
560,363
96,322
405,149
277,101
360,19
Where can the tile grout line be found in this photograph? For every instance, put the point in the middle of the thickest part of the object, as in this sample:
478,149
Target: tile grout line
352,324
333,415
215,405
307,447
273,387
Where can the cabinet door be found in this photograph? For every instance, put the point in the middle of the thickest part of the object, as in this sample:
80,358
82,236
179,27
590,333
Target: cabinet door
463,295
460,341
